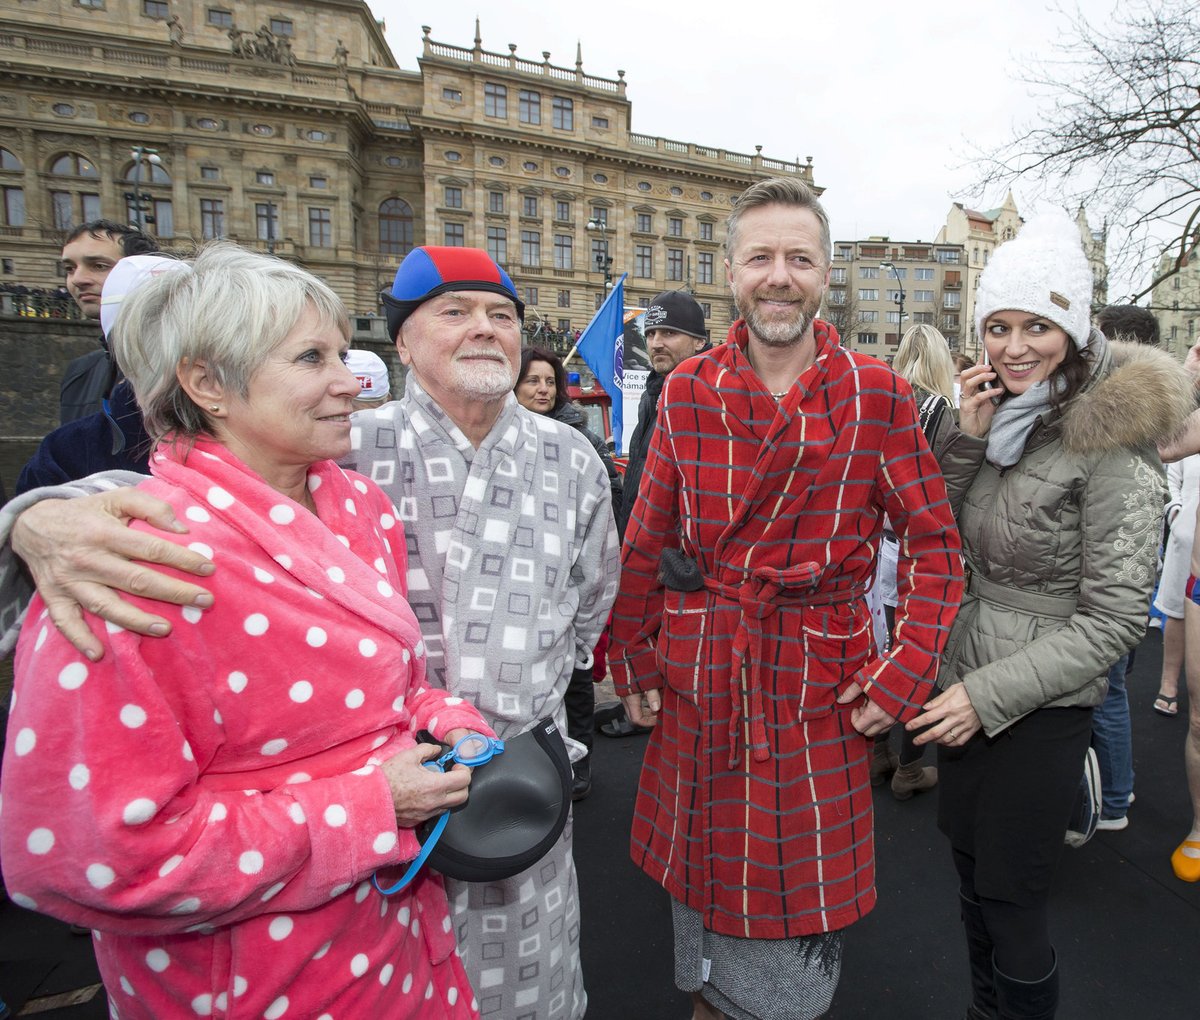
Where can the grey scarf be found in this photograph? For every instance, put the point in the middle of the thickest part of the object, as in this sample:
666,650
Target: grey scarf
1015,418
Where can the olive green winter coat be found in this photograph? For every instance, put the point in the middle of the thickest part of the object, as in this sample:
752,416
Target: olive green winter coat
1061,548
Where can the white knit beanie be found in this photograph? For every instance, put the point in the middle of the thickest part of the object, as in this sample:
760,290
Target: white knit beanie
1043,271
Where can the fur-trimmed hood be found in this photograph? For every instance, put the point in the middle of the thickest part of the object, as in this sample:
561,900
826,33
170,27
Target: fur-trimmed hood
1138,395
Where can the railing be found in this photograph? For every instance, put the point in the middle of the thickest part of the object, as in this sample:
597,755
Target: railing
36,303
134,57
542,68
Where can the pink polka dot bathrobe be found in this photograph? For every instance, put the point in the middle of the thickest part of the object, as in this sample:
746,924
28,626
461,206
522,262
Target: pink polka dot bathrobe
210,803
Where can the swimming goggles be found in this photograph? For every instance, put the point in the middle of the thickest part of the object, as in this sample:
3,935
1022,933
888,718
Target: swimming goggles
471,750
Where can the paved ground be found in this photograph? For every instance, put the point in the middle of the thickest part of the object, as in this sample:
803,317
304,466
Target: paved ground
1127,931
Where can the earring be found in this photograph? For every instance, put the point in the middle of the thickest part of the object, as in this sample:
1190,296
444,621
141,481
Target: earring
214,407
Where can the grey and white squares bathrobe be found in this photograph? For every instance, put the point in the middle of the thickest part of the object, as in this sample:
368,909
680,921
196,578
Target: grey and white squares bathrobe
513,567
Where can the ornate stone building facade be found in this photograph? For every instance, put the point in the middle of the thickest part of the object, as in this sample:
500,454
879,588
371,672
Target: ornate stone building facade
1176,302
292,127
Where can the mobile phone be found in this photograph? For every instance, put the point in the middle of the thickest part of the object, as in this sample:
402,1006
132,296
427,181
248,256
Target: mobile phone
992,384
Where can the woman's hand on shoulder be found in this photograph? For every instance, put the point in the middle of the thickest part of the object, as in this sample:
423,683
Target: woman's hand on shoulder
420,793
975,408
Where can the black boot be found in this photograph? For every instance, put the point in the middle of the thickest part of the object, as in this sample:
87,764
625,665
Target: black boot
979,955
582,783
1027,1000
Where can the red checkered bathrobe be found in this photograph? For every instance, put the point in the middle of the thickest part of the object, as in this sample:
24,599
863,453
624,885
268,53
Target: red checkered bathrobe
755,806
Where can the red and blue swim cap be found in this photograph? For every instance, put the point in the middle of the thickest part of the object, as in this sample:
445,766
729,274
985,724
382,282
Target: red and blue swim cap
430,270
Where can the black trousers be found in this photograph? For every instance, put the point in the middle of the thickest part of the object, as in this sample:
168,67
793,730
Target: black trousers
580,702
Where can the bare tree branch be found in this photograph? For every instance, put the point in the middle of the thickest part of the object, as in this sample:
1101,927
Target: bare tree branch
1119,131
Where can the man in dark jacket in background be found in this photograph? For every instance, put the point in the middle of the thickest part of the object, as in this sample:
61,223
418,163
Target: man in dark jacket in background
88,256
674,332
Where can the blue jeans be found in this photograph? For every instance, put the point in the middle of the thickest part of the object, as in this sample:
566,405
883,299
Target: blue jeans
1113,743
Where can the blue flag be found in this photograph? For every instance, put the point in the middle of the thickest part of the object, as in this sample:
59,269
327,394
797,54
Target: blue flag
602,346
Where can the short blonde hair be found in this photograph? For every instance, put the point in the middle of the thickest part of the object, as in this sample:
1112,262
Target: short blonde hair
230,311
923,358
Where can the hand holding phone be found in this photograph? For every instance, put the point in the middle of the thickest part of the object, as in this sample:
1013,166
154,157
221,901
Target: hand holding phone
991,384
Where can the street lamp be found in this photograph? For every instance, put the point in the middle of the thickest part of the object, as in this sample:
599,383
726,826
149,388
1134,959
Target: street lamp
603,258
891,267
138,198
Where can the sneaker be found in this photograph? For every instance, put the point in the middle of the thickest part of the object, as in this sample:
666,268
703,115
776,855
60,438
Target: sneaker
1113,824
1086,814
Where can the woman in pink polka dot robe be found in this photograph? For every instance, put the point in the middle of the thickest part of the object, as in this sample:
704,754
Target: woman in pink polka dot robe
214,804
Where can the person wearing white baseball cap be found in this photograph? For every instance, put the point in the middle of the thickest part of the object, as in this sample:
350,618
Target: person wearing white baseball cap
372,375
113,438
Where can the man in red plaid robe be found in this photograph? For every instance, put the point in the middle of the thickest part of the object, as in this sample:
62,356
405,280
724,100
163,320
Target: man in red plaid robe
741,628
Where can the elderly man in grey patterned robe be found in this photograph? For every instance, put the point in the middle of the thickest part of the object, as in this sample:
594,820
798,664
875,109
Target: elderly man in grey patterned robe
513,567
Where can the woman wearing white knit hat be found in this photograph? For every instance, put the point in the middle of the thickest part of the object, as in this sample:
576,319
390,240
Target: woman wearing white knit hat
1059,493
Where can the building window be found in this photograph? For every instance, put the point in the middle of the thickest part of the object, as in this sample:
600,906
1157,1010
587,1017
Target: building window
706,309
210,173
207,124
14,207
212,218
600,178
704,267
868,294
563,114
318,183
867,338
452,95
71,164
395,227
452,156
495,100
320,228
951,300
923,318
263,130
892,318
868,272
529,107
706,231
599,254
868,315
316,135
453,197
495,161
645,222
922,274
564,325
264,177
836,297
156,9
497,244
892,295
531,248
600,216
562,211
599,300
95,5
9,161
529,206
531,295
922,295
529,166
951,257
496,201
564,251
643,261
837,275
674,264
454,235
281,26
222,19
600,122
562,171
266,220
163,219
564,299
675,226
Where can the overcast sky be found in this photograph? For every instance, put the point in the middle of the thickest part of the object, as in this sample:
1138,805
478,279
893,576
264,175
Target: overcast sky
890,99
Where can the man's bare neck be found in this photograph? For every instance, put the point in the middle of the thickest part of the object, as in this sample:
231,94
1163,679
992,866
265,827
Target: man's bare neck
475,417
779,367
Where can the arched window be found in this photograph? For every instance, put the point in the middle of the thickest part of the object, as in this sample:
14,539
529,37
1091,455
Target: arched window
12,214
395,227
71,164
151,209
76,200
